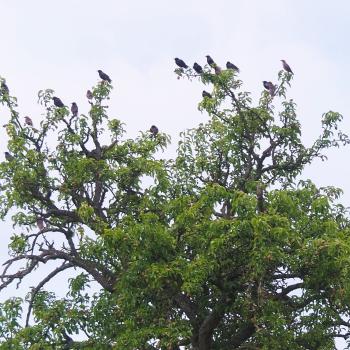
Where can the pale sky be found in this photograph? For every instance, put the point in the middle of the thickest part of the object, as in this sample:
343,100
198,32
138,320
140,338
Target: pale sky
60,45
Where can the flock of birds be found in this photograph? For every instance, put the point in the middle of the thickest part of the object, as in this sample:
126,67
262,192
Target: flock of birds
59,104
268,85
74,108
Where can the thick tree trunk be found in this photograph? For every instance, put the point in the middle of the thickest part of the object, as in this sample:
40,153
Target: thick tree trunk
206,330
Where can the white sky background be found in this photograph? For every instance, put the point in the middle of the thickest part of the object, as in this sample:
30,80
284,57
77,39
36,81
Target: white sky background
60,45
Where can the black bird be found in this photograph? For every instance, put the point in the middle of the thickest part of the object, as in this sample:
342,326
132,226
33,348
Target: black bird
74,109
89,95
270,87
267,84
154,130
9,157
210,61
104,76
4,88
181,63
197,68
230,65
57,102
28,121
206,94
286,67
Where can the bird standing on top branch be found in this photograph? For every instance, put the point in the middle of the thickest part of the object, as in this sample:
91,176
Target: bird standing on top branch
104,76
206,94
74,109
286,67
230,65
181,63
28,121
210,61
89,95
270,87
57,102
153,130
197,68
4,88
217,70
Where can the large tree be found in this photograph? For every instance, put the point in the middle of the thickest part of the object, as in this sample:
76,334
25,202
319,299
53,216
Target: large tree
223,247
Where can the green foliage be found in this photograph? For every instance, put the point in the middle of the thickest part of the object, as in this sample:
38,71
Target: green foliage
221,248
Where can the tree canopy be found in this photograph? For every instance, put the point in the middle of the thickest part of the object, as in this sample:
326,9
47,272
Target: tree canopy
226,246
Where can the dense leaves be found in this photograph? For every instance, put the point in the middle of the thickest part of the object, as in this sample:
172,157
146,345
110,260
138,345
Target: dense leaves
221,248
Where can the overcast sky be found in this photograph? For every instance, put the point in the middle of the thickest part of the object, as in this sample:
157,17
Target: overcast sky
61,44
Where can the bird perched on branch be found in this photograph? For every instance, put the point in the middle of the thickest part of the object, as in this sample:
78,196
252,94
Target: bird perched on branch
197,68
270,87
89,95
217,70
210,61
230,65
9,157
4,88
57,102
153,130
286,67
104,76
206,94
181,63
74,109
40,223
28,121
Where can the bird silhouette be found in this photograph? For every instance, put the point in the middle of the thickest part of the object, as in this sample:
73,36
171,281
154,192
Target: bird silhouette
57,102
217,70
197,68
40,223
230,65
286,67
206,94
74,109
153,130
181,63
9,157
270,87
210,61
28,121
4,88
89,95
104,76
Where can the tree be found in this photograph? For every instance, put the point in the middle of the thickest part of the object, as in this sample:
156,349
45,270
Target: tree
223,247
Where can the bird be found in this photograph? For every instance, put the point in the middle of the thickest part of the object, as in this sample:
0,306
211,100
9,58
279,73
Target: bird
153,130
28,121
286,67
210,61
9,157
4,88
181,63
57,102
197,68
217,70
270,87
40,223
230,65
206,94
104,76
89,95
74,109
